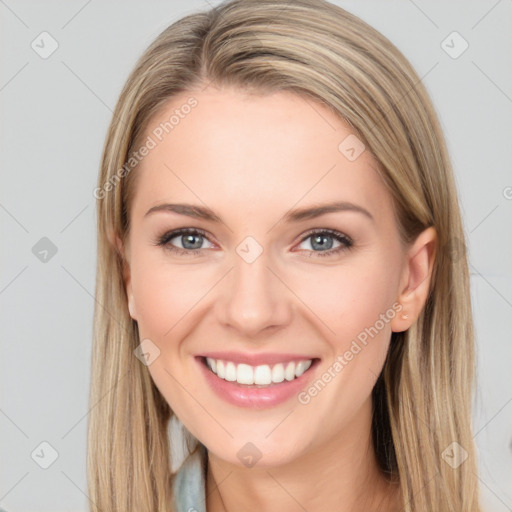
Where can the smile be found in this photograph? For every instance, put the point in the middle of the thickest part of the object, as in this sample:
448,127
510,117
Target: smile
262,375
269,381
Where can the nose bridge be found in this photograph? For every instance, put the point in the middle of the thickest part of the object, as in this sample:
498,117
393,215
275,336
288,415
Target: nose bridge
255,298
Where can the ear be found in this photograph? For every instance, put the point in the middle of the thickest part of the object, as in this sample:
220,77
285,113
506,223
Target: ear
415,281
122,250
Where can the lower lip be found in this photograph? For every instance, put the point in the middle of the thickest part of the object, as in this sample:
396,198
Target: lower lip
251,396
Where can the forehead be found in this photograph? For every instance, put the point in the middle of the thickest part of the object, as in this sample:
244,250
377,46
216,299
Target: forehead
255,152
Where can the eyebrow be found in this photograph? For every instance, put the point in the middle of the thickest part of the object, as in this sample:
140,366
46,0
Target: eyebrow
297,215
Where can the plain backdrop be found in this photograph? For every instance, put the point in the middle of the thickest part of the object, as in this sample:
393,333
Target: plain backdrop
55,110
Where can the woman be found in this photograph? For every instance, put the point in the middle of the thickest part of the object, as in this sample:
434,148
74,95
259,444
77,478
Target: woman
277,225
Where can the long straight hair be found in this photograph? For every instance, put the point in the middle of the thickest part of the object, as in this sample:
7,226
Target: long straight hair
423,397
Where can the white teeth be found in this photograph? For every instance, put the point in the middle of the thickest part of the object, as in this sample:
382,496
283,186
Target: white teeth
289,372
278,373
262,375
302,366
230,371
221,371
244,374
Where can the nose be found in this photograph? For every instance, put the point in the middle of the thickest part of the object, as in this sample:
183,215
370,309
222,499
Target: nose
254,299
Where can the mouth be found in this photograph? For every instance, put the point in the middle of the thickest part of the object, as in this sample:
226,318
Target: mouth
257,385
258,376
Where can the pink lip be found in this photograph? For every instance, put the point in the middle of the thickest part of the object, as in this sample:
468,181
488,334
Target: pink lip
252,396
256,359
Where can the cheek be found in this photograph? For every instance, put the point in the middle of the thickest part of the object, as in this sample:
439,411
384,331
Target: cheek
167,300
350,297
356,308
163,292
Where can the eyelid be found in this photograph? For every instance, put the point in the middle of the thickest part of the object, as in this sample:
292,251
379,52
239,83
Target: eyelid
335,233
163,240
173,233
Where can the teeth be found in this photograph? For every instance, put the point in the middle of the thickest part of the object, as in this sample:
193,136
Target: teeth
289,372
262,375
221,371
301,367
244,374
230,371
278,373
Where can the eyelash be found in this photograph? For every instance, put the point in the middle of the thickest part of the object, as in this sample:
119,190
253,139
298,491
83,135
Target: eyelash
164,240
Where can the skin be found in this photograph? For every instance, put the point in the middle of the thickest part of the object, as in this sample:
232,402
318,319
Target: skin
251,159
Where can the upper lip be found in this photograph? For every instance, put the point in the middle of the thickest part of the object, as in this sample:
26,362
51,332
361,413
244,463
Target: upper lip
256,359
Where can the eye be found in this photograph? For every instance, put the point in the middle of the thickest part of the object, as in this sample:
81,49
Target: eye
190,241
323,240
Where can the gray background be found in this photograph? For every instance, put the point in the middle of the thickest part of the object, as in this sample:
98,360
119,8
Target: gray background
55,113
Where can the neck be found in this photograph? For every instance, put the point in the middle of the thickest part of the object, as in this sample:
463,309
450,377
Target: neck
341,474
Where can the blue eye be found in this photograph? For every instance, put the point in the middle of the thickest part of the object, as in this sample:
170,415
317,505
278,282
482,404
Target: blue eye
322,239
192,239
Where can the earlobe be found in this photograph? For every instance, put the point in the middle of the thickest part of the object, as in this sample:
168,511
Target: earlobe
417,273
115,241
118,244
131,306
129,292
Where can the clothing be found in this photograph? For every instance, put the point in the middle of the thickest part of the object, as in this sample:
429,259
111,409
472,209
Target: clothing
189,484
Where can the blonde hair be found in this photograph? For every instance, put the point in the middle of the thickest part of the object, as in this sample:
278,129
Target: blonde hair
423,398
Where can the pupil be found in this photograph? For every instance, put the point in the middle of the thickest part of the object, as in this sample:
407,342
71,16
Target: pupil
321,243
189,238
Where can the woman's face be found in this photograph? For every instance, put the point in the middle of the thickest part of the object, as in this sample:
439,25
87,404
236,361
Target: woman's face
263,281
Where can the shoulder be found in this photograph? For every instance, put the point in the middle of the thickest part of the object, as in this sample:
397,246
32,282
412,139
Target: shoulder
189,482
